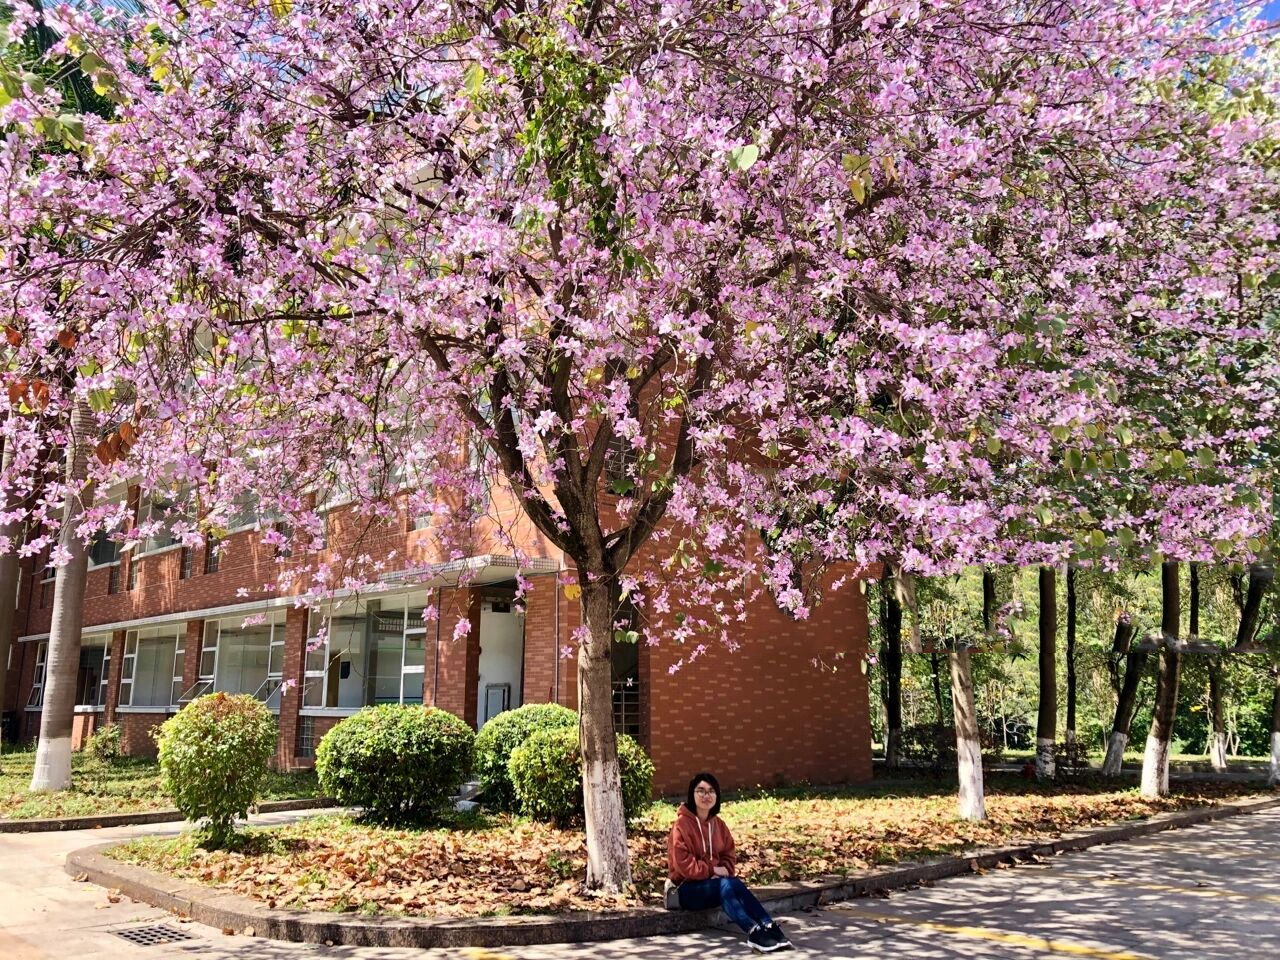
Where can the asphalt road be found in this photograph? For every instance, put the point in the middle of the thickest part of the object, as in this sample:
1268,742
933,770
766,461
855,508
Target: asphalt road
1205,893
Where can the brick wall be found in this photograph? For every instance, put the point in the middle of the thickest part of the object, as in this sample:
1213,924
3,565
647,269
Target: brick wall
295,646
765,714
136,732
458,667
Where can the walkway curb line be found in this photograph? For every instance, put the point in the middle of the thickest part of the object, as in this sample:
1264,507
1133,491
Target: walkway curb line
149,816
228,911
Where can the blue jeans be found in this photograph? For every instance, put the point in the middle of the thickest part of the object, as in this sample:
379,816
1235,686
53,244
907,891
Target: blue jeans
728,893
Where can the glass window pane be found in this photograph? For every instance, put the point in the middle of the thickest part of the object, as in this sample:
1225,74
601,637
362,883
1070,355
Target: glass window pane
153,669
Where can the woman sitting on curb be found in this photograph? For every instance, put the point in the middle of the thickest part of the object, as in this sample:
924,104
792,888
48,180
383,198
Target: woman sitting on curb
701,861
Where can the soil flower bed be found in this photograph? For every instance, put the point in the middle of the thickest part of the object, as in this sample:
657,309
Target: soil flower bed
486,866
128,785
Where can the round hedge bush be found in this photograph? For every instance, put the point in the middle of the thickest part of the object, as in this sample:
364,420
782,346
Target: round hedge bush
400,762
546,772
503,734
213,758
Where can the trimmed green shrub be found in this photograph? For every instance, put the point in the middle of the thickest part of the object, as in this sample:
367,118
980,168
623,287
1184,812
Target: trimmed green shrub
400,762
546,772
503,734
213,759
103,746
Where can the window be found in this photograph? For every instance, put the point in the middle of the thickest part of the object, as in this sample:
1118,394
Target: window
133,573
103,549
166,510
152,658
212,555
285,550
625,655
47,580
37,679
187,568
113,579
306,737
246,658
95,662
365,653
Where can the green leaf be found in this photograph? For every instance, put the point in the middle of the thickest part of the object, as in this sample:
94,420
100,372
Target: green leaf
73,126
1075,461
34,82
1097,539
92,63
858,189
473,79
101,400
1205,456
622,486
1177,459
993,445
281,8
1222,547
1126,536
743,158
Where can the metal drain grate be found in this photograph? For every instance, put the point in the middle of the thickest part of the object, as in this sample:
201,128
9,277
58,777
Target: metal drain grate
154,935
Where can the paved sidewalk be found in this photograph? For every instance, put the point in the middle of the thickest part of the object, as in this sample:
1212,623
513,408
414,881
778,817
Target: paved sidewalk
1205,893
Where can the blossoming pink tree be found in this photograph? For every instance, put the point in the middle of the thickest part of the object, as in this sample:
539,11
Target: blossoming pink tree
862,277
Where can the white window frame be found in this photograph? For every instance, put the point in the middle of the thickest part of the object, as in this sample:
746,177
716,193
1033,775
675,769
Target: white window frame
35,700
129,665
106,672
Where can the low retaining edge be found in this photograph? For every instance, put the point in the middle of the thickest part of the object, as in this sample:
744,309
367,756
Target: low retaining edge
147,816
223,910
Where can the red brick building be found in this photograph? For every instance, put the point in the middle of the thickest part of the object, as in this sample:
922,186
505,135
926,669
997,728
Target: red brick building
165,623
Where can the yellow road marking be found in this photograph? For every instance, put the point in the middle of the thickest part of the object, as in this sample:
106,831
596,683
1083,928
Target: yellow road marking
1194,891
1041,944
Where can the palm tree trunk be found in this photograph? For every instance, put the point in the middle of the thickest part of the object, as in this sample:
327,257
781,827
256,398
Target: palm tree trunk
53,752
1155,763
1047,721
608,860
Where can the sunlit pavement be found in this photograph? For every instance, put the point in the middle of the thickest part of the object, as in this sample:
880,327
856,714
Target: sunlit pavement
1209,893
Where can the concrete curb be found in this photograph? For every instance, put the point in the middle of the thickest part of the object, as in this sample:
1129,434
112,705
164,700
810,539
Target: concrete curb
149,816
231,911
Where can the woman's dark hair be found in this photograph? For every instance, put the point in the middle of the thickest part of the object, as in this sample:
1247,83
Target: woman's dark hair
715,785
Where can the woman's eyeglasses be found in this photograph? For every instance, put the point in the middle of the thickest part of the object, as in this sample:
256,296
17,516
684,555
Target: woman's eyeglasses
704,792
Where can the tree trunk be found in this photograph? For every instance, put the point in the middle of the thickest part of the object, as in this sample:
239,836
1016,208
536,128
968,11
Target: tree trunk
1218,731
1155,763
1071,657
968,746
936,667
1126,697
1261,574
891,658
1047,721
10,533
62,666
1274,779
1218,723
608,861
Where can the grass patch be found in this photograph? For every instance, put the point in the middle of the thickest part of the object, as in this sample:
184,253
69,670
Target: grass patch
129,785
495,866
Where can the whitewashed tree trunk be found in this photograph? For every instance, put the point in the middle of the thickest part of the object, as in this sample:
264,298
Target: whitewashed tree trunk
1116,746
1155,763
1218,750
1155,768
1274,779
608,860
53,752
968,746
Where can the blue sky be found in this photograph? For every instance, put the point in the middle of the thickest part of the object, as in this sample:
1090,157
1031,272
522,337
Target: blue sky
1272,10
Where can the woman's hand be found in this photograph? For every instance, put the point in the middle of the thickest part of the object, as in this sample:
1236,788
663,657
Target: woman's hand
721,872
